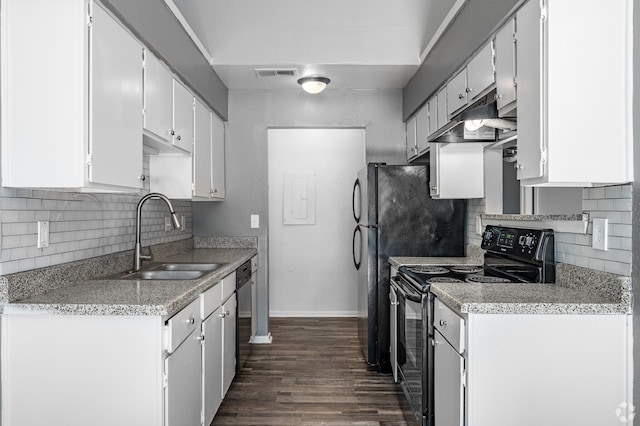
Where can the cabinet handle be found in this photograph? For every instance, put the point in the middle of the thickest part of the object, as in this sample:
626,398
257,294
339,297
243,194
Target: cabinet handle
222,315
173,132
227,313
443,323
142,178
179,137
200,337
191,321
460,96
519,167
468,89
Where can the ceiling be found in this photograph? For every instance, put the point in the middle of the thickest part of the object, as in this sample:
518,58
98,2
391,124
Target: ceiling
358,44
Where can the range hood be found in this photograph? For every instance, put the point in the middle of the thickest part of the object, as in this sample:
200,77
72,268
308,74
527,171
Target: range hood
477,123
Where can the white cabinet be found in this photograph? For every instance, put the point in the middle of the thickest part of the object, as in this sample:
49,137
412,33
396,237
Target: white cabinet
505,45
183,104
393,328
158,99
218,160
199,176
574,124
87,108
456,170
211,352
480,72
441,108
432,106
412,146
183,393
539,364
457,92
422,129
229,342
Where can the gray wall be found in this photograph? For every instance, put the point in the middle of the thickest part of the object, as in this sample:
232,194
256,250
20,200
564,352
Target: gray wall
477,20
154,24
251,113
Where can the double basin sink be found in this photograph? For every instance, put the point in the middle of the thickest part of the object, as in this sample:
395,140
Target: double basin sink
171,271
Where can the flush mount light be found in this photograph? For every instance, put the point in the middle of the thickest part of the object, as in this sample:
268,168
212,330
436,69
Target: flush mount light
313,85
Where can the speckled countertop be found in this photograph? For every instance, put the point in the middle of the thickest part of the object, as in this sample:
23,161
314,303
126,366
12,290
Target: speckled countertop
103,296
576,291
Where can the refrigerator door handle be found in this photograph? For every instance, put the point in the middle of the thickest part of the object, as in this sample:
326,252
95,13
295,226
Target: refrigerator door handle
357,233
369,226
358,188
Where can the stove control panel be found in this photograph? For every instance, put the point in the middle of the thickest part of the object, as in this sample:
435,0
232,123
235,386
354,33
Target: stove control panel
517,242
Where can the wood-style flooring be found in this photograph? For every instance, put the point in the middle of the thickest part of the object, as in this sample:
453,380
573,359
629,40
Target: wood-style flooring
312,374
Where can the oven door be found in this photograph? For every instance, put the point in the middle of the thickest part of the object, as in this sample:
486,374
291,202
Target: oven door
411,345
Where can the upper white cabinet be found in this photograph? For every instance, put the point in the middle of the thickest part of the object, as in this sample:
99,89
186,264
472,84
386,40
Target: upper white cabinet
218,160
432,106
574,93
441,108
471,81
158,99
183,104
456,170
422,128
505,45
202,157
457,92
412,144
76,125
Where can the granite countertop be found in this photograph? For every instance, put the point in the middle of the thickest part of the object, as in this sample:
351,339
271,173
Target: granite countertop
104,296
576,291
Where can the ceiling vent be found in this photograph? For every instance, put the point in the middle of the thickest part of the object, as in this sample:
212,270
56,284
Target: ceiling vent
276,72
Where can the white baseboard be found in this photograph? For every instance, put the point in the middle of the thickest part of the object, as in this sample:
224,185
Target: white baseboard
313,314
261,340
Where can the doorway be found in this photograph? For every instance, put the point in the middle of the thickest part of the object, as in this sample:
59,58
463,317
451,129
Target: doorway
311,174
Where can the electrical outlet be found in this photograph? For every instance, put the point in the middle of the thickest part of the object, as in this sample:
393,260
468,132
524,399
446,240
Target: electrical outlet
255,221
600,237
43,233
183,224
168,226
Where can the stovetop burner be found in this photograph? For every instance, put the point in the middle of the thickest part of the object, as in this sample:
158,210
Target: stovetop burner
479,278
462,269
429,270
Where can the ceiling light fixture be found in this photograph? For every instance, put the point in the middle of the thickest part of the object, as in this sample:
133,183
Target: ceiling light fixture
313,85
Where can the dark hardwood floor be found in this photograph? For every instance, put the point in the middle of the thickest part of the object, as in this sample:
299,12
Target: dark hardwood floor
312,374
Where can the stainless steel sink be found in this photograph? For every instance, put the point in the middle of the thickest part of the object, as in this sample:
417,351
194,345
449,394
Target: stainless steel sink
188,266
171,271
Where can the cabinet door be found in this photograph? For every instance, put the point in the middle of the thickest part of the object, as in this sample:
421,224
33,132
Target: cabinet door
432,106
202,157
412,148
458,169
434,184
506,65
115,142
182,117
530,136
217,160
448,383
480,73
157,98
422,129
441,101
229,346
212,365
183,392
457,92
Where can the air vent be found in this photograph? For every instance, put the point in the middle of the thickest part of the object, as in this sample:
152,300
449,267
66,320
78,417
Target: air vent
276,72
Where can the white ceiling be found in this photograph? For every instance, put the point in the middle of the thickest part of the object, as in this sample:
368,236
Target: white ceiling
358,44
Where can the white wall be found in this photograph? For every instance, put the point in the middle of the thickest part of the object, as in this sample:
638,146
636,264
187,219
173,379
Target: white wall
310,267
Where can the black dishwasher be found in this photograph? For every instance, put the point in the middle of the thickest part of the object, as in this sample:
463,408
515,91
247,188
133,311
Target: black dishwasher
243,313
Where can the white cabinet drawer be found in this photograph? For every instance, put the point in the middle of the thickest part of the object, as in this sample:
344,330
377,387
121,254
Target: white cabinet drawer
228,286
450,325
210,300
181,324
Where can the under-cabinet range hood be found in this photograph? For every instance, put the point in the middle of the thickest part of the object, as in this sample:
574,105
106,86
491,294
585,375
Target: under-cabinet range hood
477,123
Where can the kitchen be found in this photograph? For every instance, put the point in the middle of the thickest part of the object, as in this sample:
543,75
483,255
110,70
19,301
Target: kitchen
251,112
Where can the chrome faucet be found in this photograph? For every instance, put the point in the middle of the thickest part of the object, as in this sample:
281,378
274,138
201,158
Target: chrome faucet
137,257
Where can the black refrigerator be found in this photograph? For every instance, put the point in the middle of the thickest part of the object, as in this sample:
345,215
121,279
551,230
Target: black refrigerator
395,217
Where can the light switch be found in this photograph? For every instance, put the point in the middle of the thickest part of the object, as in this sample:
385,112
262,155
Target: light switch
43,233
600,237
255,221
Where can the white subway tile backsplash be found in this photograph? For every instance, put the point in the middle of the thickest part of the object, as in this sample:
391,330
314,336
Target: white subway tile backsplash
613,192
81,226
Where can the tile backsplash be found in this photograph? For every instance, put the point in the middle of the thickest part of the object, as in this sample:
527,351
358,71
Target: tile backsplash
81,226
609,202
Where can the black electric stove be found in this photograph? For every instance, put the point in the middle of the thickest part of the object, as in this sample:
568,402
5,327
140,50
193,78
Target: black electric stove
512,255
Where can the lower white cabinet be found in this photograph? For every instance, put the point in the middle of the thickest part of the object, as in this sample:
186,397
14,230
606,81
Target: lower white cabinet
183,392
120,370
531,369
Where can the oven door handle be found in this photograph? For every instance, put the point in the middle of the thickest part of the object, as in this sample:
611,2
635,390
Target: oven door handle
406,292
